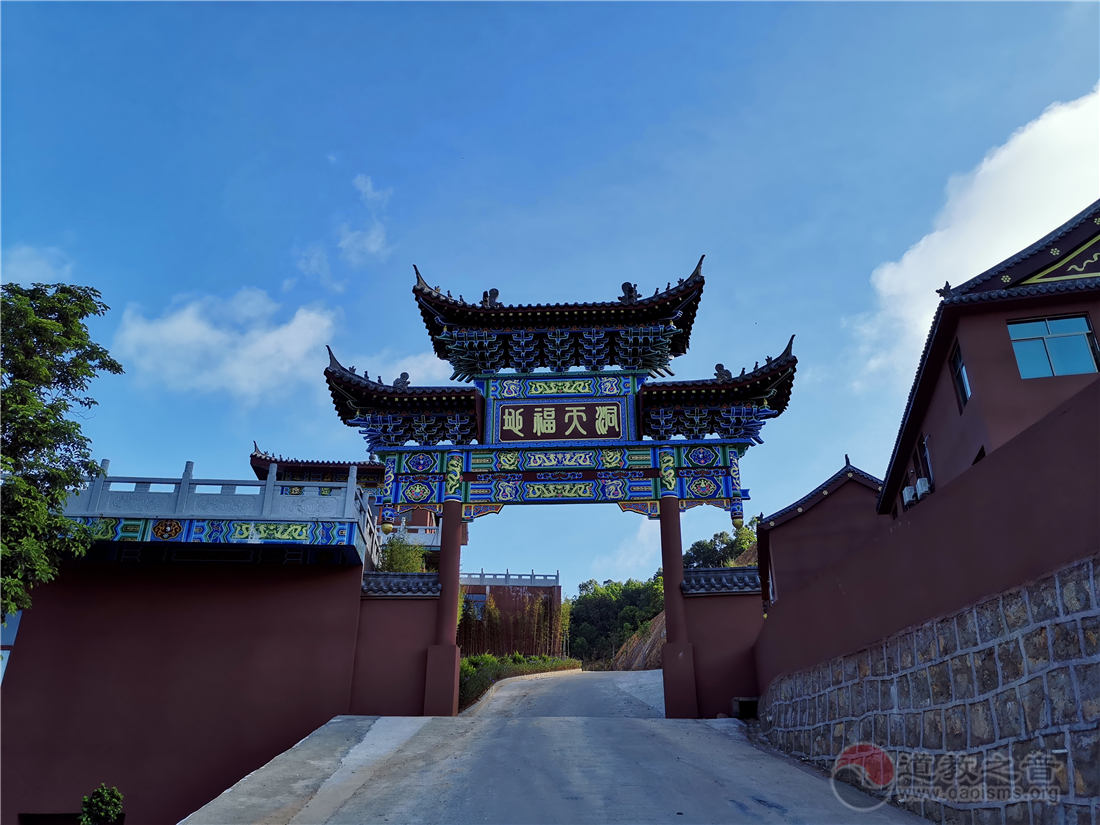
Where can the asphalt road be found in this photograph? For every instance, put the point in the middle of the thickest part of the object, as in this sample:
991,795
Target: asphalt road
568,748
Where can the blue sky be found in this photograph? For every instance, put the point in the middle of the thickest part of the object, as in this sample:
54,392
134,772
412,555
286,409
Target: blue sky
246,183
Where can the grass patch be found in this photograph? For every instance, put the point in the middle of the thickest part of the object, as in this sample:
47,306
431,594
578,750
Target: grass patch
478,673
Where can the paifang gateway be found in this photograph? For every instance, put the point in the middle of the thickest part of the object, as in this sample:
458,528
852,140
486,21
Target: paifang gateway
558,406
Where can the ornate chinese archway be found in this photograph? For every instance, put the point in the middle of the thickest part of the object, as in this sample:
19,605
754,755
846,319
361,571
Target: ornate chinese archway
593,427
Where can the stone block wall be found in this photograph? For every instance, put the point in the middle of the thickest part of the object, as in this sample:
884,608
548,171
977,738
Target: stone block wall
998,704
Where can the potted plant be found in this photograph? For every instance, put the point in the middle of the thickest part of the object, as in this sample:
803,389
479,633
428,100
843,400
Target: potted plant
102,807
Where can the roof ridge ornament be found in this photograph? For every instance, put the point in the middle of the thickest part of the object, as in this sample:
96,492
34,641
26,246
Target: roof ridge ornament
945,290
630,293
333,364
698,271
420,278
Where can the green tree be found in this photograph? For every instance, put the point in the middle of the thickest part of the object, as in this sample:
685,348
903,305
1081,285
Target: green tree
48,362
603,616
721,549
399,555
712,552
102,807
743,541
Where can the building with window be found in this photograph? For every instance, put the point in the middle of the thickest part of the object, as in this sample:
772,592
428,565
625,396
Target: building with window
1005,349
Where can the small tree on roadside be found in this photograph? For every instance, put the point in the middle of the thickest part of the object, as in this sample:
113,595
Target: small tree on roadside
102,807
48,362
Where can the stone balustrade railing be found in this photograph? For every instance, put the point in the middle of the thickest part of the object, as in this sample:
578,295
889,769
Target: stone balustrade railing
270,500
510,579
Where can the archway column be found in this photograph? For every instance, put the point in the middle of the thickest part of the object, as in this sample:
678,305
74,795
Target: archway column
441,678
677,656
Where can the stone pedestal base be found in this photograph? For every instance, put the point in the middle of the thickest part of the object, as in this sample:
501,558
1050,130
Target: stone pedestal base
678,670
441,681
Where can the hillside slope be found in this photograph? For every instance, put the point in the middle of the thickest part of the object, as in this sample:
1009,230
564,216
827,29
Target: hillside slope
642,651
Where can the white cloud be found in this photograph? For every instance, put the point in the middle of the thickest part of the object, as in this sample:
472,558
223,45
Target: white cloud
313,262
1045,173
236,347
358,246
371,197
331,158
26,264
636,557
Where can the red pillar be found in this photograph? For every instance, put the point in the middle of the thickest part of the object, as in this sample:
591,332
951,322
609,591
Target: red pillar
450,549
672,565
441,681
677,657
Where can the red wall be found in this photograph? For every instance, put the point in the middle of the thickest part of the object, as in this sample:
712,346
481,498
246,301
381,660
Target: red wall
171,682
1002,404
1016,402
391,656
722,630
1028,508
820,537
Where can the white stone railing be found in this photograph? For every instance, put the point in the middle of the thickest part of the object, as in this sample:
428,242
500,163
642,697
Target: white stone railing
510,579
189,497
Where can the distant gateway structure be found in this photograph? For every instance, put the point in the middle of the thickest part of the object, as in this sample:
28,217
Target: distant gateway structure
589,427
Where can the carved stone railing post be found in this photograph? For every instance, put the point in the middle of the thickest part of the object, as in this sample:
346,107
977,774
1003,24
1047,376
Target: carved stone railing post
269,490
349,493
96,493
183,494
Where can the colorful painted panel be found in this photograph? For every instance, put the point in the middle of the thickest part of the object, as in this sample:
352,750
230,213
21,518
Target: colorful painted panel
490,478
560,421
561,410
221,531
503,389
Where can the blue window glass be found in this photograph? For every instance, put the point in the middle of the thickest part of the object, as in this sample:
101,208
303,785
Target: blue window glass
1061,325
1027,329
1031,358
1070,355
1053,346
959,378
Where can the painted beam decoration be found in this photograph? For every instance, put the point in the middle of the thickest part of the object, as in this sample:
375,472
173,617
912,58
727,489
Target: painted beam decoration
305,542
604,433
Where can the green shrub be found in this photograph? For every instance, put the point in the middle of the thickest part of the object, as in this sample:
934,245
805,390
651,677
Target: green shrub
478,673
401,556
102,807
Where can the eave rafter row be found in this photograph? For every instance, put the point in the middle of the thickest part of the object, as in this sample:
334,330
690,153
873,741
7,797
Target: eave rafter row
479,352
735,423
389,430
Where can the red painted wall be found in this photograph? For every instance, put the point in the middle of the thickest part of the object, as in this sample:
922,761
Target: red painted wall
820,537
1016,402
722,630
1002,404
171,682
1030,507
391,656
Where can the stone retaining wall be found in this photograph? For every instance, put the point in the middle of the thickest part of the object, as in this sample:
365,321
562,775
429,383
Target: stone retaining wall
1002,697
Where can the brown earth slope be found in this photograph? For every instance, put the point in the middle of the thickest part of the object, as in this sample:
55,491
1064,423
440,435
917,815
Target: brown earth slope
642,651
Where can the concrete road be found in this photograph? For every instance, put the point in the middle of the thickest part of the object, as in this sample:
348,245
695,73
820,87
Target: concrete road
567,748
